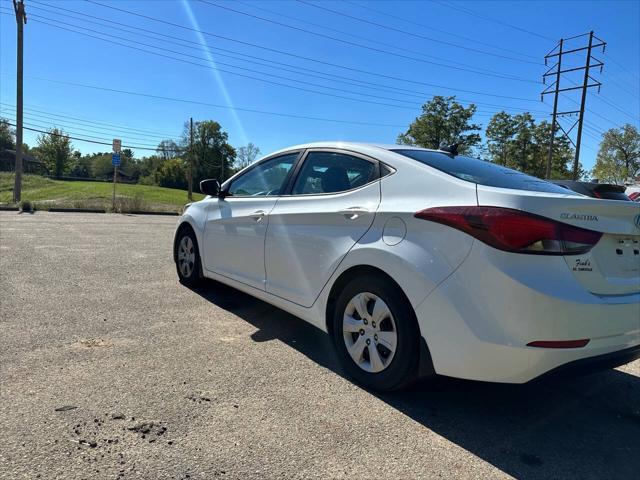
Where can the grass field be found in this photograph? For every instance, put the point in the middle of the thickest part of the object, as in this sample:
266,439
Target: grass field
45,193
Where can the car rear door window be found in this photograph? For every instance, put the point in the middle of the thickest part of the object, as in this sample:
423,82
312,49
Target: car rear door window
481,172
332,172
266,178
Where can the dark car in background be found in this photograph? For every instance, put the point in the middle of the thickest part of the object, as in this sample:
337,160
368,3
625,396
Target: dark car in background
605,191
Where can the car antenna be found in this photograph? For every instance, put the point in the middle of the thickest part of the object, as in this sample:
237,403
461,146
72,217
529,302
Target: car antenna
450,149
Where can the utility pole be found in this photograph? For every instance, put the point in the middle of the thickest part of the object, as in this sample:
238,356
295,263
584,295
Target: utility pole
556,70
585,84
555,111
21,20
190,179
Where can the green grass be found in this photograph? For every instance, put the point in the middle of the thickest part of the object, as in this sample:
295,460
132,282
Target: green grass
45,192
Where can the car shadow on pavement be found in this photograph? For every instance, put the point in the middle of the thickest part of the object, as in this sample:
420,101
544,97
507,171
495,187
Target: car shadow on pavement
586,427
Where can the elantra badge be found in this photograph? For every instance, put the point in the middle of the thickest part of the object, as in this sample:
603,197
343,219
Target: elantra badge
579,216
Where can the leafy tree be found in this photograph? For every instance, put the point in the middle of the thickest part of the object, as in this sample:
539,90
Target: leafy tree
518,142
619,155
500,132
7,135
81,165
443,121
172,173
148,167
167,149
247,155
213,156
522,146
561,158
54,150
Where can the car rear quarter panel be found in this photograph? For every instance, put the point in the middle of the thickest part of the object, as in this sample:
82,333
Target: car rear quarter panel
416,253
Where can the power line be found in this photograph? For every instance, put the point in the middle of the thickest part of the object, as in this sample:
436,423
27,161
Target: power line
468,11
294,68
413,104
516,27
332,76
214,105
210,67
293,55
379,50
616,107
307,22
624,68
147,133
412,34
435,29
36,117
79,139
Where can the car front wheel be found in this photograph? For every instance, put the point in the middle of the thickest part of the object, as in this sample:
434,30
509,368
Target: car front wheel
375,334
188,258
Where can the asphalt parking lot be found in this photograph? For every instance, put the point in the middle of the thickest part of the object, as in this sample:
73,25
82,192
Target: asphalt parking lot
109,368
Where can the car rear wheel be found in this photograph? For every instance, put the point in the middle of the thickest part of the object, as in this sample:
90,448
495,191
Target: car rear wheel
188,258
375,334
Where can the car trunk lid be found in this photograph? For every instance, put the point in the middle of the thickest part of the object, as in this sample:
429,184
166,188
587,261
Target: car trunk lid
612,266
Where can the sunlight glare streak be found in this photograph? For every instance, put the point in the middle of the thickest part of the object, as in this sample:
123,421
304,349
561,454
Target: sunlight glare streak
215,73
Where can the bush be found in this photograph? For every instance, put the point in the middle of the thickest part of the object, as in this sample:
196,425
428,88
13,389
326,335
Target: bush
172,174
148,180
25,206
130,204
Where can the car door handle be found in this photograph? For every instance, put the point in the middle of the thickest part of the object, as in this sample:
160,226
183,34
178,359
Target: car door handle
258,215
353,212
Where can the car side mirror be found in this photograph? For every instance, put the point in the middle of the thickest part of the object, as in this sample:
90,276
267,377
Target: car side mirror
210,186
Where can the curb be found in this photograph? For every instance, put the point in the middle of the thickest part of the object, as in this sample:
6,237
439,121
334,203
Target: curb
174,214
87,210
77,210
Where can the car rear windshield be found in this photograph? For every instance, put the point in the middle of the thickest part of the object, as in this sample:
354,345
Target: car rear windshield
481,171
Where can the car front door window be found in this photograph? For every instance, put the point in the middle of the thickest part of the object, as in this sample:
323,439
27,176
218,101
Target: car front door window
266,178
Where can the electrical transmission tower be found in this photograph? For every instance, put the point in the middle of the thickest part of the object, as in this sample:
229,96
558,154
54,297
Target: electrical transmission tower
561,56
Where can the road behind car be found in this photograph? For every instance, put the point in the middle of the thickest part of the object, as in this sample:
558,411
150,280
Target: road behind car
109,368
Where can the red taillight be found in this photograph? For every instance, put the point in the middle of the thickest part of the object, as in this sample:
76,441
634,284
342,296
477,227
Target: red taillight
514,230
559,343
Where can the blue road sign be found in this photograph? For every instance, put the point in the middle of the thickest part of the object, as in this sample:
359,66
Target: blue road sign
115,159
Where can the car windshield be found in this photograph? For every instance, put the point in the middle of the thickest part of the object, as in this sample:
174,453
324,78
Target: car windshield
481,171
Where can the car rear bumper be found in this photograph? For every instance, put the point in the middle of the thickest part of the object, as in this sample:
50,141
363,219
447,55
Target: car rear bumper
478,323
593,364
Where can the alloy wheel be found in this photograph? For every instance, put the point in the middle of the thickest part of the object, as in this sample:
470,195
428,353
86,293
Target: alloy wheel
186,256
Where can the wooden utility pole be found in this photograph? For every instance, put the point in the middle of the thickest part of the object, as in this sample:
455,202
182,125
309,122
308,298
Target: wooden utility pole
21,19
190,179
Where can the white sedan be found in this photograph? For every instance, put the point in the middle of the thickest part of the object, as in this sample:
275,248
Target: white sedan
418,261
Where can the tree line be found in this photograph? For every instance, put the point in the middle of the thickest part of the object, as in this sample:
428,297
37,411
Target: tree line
515,141
519,142
213,157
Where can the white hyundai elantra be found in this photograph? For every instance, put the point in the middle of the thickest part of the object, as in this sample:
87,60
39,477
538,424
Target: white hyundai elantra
418,261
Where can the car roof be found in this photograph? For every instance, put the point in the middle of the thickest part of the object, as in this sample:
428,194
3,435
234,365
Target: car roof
356,146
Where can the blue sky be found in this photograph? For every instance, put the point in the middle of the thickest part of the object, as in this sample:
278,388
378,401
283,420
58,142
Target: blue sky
383,60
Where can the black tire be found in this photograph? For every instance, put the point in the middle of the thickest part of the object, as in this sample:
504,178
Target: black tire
191,275
402,369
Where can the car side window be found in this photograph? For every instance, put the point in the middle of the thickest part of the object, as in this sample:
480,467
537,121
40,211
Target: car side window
332,172
266,178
